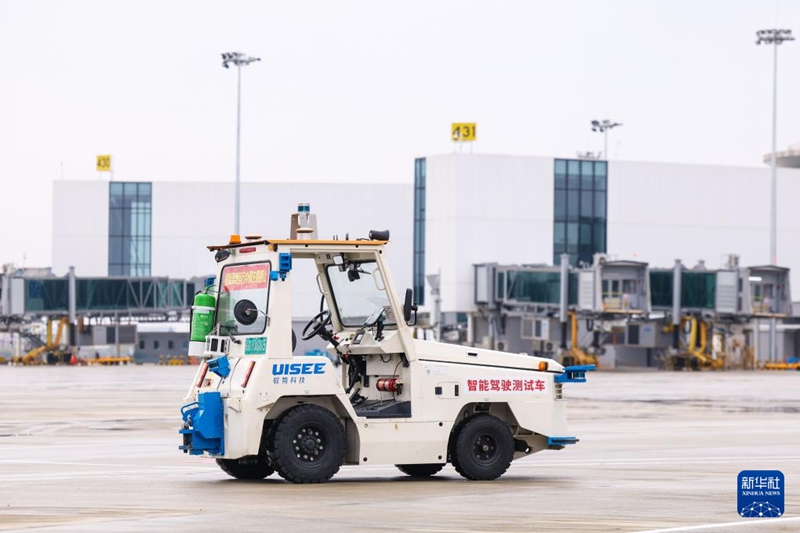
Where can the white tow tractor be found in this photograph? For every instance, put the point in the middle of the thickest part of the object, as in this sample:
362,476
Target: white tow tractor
379,397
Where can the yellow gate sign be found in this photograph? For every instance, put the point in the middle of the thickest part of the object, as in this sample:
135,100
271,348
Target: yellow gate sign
104,163
463,131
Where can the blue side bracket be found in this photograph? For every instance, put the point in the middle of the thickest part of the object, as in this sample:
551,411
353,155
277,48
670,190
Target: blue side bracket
284,267
220,366
203,425
560,442
574,374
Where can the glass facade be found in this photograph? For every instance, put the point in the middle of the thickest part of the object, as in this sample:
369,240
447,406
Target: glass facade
581,199
129,228
419,231
539,287
698,289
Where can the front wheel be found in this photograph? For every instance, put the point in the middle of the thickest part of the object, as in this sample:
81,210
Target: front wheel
250,467
425,470
484,448
309,445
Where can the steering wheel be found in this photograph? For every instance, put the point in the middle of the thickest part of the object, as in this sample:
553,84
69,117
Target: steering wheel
316,325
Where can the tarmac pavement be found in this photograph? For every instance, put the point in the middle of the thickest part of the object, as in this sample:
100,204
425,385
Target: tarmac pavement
95,449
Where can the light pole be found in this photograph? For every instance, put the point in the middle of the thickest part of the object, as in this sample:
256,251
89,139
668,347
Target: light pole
603,126
773,37
238,59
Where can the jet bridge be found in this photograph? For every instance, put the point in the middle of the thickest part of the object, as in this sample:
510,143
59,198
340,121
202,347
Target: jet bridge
150,297
27,299
614,288
735,294
697,314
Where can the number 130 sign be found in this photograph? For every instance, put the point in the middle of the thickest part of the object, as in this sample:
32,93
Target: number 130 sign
463,131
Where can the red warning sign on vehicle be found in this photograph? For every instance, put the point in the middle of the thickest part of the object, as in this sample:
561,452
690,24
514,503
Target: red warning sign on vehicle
245,277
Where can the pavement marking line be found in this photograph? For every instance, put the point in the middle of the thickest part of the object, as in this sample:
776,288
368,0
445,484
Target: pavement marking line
451,531
635,462
66,476
756,523
25,462
661,459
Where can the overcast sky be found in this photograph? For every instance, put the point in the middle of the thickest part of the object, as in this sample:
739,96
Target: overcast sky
355,90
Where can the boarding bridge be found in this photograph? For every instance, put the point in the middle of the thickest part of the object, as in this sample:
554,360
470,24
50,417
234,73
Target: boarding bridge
526,286
141,297
614,288
725,294
624,303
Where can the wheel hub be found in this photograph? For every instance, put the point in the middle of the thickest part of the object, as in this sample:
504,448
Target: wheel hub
485,447
308,444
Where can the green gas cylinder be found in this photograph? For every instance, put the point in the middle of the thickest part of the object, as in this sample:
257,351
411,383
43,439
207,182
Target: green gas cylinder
202,316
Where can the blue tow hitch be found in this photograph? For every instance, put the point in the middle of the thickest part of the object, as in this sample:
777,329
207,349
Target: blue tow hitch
203,425
574,374
558,443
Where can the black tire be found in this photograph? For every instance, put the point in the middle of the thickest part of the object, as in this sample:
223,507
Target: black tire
424,470
268,440
309,445
451,445
484,448
249,467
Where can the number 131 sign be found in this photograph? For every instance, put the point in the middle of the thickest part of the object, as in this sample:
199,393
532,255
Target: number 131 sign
463,131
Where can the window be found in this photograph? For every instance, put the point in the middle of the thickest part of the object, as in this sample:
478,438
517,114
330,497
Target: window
360,300
579,211
419,230
500,287
141,345
243,297
156,344
560,238
629,286
610,288
170,345
561,174
129,228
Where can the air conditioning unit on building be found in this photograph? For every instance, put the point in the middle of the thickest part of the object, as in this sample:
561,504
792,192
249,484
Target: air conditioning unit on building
642,335
535,328
542,348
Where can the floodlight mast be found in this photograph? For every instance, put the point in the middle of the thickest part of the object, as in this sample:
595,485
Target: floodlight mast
773,37
239,60
603,126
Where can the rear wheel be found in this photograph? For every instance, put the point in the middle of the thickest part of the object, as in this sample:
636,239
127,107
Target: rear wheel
483,449
424,470
249,467
309,445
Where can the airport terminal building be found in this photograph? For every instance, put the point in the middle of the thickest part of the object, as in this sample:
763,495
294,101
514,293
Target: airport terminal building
459,210
472,209
158,228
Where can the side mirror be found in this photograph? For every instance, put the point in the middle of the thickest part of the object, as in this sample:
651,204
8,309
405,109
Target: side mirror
408,307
